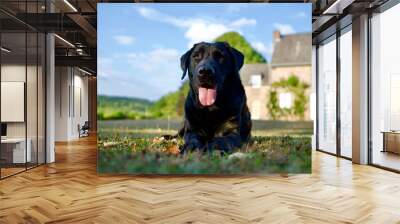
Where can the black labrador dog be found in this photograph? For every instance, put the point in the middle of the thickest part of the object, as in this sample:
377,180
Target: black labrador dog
216,113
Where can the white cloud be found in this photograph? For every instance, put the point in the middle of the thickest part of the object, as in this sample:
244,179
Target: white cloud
104,65
284,28
244,22
197,29
155,15
262,48
203,31
149,74
300,15
147,12
157,59
124,39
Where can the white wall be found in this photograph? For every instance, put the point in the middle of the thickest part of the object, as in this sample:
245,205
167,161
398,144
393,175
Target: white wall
81,108
71,94
16,73
13,100
62,82
33,126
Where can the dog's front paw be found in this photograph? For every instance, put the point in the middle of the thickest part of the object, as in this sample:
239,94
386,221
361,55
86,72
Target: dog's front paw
192,145
220,145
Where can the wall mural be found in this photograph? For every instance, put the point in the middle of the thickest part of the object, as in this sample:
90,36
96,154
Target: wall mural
183,88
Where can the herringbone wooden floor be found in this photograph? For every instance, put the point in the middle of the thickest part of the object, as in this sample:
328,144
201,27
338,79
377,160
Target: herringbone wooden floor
70,191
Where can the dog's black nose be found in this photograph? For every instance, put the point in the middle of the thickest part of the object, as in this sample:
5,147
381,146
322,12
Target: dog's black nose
205,71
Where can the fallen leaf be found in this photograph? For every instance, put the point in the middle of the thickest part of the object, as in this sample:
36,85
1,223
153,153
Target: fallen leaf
109,144
173,149
156,140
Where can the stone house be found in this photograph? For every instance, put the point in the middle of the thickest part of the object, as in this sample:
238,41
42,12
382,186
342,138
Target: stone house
291,56
255,79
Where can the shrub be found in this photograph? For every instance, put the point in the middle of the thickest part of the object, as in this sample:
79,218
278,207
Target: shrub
294,86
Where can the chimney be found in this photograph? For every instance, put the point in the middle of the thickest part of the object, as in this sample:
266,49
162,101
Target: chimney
276,36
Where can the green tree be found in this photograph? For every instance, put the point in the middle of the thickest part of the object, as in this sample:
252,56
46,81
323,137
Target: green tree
172,104
240,43
114,107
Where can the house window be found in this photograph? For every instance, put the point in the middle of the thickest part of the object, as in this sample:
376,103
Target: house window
256,81
285,100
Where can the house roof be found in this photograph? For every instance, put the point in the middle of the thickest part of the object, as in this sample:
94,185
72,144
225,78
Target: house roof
292,49
254,69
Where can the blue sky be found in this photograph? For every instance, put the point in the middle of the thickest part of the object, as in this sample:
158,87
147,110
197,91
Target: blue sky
139,45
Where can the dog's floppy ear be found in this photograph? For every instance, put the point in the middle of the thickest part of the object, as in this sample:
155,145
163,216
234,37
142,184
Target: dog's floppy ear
237,56
185,61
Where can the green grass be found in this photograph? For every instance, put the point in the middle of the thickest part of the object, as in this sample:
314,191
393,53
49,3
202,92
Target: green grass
134,148
262,155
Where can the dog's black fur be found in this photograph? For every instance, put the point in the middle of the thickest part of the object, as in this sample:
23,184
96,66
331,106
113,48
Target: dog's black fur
225,124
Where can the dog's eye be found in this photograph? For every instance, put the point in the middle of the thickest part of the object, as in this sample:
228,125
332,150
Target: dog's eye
218,56
196,56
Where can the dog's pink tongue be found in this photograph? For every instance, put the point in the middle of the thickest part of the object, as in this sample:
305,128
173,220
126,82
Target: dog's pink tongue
207,96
